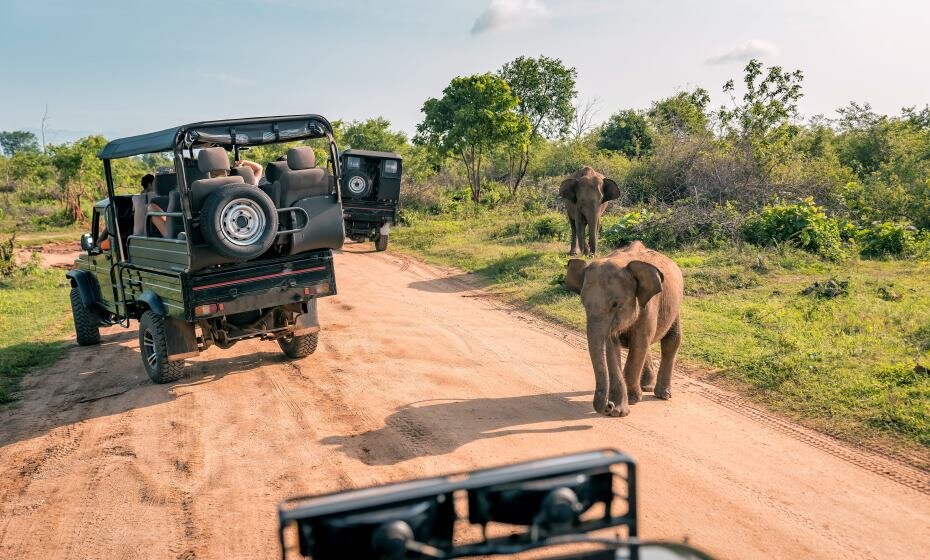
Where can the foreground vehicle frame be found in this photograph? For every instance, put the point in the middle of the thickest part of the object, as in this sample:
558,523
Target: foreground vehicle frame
186,296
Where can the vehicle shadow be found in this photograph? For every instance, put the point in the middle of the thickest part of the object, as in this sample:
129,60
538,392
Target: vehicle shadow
439,427
88,382
446,285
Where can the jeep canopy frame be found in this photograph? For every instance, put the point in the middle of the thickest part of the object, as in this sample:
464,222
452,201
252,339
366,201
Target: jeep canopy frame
230,133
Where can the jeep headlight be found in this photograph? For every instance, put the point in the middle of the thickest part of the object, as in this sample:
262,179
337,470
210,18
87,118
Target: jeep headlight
390,166
353,162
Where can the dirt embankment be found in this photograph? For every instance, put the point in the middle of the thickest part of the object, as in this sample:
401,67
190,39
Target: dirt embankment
417,374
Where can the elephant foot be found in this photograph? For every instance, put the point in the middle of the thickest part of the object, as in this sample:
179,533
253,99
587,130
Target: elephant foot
634,396
664,393
601,403
617,411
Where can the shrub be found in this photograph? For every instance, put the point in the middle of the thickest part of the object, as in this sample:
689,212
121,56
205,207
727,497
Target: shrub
894,239
802,224
685,223
551,226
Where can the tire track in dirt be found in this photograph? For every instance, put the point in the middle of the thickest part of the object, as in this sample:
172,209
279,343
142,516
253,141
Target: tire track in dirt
878,462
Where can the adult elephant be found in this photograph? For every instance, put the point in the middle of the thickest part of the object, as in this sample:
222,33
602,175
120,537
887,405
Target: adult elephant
632,299
586,193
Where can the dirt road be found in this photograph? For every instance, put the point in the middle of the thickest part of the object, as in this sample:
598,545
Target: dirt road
416,374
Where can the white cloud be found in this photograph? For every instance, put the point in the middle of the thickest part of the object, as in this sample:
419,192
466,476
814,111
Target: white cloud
745,52
229,79
503,15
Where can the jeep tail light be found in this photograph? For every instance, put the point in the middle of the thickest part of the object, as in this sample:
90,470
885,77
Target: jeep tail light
208,309
322,288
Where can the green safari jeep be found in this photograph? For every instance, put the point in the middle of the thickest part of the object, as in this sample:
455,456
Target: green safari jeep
209,254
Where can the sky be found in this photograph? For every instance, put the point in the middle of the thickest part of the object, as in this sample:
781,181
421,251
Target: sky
123,67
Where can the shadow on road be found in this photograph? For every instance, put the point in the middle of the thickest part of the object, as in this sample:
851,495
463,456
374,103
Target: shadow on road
96,381
431,428
446,285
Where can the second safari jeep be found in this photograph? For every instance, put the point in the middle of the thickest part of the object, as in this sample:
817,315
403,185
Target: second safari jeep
231,259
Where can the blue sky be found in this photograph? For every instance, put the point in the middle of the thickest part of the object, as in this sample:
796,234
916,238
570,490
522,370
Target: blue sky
126,67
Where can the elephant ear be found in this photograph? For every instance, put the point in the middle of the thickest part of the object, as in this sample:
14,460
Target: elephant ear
569,189
648,280
611,190
574,275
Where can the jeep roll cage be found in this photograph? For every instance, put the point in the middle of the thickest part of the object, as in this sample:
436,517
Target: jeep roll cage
230,133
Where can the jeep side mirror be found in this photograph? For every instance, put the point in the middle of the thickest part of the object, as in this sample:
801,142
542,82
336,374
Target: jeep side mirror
87,242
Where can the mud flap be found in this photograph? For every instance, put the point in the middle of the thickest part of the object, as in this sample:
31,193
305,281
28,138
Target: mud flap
307,322
180,339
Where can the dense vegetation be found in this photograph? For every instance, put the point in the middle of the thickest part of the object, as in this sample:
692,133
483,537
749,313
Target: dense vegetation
753,200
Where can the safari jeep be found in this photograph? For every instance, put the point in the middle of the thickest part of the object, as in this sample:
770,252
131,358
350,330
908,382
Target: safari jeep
232,258
370,191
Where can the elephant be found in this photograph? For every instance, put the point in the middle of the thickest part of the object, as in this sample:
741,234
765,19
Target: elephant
632,298
586,193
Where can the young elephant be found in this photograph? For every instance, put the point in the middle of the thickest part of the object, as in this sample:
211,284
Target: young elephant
586,193
632,299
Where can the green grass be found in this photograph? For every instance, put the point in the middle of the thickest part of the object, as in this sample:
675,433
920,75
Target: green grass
34,320
844,365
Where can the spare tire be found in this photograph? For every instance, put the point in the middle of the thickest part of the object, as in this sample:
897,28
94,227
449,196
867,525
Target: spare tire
239,222
356,185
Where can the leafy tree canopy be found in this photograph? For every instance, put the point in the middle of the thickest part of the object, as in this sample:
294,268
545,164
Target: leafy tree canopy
683,113
546,89
627,132
14,141
373,134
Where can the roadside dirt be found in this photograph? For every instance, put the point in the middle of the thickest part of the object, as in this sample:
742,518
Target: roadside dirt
52,255
418,373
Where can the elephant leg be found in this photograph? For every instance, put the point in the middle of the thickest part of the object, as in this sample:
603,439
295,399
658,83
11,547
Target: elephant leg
670,345
592,233
571,221
633,369
579,233
648,381
618,403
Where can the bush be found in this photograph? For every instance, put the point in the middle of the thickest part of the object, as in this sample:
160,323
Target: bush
685,223
551,226
891,239
802,224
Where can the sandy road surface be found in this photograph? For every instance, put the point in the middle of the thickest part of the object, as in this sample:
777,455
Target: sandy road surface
416,374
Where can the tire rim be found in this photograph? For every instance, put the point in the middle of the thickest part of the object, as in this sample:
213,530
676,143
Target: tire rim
357,185
242,222
148,349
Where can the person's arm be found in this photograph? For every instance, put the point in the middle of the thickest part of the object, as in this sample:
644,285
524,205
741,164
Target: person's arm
256,168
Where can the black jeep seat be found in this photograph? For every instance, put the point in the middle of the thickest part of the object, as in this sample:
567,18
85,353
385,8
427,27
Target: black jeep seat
165,183
303,178
208,161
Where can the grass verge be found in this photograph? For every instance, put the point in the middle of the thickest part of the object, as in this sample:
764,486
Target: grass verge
34,321
846,365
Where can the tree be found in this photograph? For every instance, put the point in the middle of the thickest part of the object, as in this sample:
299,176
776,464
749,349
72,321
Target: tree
546,89
768,103
475,115
627,132
373,134
583,122
79,172
682,114
15,141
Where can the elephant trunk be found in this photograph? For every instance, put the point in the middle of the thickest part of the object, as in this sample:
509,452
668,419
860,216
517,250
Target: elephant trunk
598,332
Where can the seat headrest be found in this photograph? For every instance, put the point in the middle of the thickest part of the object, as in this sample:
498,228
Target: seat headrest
212,159
165,183
301,157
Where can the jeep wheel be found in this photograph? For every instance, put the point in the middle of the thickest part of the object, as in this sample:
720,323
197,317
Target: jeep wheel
381,242
239,222
356,185
154,348
86,324
295,347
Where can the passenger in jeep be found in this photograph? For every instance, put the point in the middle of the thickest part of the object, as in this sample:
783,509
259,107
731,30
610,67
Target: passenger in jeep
256,177
148,189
